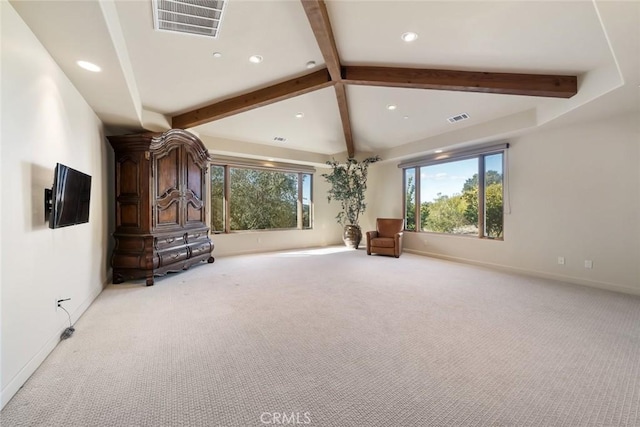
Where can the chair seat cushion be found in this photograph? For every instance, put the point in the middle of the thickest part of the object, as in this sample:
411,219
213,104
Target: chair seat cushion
383,242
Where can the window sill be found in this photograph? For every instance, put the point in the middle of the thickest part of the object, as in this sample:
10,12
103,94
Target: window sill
467,236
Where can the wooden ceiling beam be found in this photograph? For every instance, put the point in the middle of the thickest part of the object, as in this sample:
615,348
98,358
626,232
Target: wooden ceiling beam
341,96
258,98
316,11
318,17
553,86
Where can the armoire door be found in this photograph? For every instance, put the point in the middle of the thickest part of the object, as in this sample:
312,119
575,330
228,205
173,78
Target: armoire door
168,192
194,188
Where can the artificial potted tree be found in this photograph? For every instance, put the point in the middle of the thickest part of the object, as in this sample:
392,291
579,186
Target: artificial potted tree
348,186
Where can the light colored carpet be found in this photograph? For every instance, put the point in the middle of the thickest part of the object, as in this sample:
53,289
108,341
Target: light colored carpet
342,339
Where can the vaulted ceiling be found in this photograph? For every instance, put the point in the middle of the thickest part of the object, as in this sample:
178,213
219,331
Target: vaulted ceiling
509,66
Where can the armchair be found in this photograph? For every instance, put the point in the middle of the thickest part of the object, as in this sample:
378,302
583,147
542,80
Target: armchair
387,239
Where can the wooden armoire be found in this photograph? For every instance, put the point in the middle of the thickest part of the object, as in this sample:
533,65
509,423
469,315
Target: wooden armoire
160,204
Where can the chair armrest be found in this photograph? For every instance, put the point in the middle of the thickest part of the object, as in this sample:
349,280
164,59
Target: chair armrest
370,235
398,244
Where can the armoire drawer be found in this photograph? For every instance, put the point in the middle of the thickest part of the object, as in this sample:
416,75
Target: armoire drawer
200,249
166,242
172,256
194,236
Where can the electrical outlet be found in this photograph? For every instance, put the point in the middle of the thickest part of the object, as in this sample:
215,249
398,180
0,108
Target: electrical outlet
588,263
60,301
561,260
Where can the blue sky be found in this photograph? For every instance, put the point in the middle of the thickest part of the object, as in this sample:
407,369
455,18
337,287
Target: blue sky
306,189
449,178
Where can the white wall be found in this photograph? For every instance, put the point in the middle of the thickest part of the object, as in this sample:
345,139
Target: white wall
326,231
44,121
384,194
575,192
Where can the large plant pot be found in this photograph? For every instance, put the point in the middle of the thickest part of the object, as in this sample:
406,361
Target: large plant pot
352,236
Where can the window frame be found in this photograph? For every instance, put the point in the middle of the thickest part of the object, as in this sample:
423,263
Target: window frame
479,153
227,163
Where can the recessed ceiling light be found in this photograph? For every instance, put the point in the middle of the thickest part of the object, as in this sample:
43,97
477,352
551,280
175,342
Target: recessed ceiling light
405,117
217,55
391,107
89,66
256,59
438,151
299,115
409,36
311,64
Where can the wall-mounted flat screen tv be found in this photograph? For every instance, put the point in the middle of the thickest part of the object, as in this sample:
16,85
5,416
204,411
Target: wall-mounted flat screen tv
67,203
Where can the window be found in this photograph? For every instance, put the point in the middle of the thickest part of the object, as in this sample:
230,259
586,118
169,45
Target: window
306,200
410,199
246,197
218,218
459,193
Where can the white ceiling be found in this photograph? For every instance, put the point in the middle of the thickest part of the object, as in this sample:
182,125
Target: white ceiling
150,75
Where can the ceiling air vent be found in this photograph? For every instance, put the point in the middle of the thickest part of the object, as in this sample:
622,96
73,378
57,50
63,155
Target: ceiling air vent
279,139
199,17
458,118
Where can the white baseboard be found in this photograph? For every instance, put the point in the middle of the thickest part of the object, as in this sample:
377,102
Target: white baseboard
568,279
18,381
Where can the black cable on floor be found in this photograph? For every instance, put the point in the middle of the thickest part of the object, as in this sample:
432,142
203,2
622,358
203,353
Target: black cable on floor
70,330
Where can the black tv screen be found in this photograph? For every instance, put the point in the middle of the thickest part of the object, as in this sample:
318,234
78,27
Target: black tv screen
69,197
